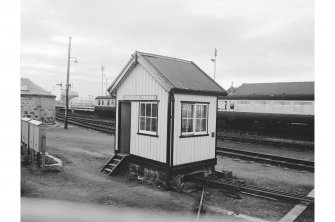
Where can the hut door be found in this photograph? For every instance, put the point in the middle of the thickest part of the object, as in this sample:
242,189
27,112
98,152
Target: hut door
124,127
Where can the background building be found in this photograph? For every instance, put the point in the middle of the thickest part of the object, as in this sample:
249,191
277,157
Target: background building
37,103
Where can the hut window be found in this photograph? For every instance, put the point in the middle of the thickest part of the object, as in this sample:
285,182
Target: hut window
148,118
194,118
99,102
187,118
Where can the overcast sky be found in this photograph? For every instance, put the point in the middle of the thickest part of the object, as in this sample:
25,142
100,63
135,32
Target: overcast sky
257,40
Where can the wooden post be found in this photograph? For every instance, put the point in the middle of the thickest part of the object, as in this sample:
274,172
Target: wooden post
32,155
38,158
200,204
43,149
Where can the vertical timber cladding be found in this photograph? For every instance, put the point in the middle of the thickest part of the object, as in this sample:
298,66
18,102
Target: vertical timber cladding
140,85
192,149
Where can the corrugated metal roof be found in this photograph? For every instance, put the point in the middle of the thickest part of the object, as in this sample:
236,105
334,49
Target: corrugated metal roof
279,90
28,88
183,74
105,97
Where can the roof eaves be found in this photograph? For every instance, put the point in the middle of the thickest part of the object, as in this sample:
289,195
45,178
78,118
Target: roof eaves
198,92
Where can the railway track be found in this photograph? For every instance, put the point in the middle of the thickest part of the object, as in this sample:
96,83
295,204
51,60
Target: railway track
235,187
266,141
108,126
265,158
99,125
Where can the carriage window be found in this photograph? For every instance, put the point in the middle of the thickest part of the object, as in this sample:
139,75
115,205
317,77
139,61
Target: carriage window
148,118
194,118
232,105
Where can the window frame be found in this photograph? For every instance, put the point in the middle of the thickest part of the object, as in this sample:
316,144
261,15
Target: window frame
194,118
145,132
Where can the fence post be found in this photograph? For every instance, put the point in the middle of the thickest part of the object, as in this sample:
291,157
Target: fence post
43,149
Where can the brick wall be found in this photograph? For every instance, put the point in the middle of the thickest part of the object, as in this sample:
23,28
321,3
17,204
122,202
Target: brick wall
39,108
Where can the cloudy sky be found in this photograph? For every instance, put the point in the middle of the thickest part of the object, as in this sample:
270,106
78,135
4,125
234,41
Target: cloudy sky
257,40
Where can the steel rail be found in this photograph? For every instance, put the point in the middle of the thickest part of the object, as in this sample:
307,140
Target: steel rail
239,138
235,187
266,158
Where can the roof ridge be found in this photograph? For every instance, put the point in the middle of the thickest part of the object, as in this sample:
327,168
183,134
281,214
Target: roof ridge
164,57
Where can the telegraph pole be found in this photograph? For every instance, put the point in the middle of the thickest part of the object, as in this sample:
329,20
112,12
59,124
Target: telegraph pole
67,85
102,80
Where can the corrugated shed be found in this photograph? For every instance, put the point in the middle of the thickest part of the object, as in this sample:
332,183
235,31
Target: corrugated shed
182,74
28,88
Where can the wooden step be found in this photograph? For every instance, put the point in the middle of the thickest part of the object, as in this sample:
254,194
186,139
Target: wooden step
112,164
108,169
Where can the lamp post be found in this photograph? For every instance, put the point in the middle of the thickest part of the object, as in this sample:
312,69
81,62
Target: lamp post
214,61
67,83
102,80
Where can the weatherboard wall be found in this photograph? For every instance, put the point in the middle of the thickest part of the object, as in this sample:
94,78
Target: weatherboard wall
140,82
192,149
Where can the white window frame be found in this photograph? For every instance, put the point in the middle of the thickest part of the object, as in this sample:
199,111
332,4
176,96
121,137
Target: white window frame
194,118
155,133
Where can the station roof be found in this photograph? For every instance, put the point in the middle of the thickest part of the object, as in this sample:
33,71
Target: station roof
29,88
180,75
105,97
276,90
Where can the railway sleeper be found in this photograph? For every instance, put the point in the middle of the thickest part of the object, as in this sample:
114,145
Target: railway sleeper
227,188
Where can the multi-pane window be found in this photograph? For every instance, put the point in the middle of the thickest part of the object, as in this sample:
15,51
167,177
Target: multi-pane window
148,118
194,118
107,102
187,118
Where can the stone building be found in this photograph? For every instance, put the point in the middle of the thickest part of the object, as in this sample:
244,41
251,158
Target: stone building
37,103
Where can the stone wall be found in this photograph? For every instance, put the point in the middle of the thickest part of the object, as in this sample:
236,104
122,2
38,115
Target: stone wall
39,108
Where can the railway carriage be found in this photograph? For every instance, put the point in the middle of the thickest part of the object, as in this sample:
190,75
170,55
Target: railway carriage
104,106
268,104
166,116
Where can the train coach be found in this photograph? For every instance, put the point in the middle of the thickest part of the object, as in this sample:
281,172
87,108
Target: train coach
269,103
105,106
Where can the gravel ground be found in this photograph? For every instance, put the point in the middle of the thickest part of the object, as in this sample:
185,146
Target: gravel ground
84,152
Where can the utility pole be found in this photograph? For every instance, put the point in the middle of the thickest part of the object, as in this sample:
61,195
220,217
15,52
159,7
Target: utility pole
106,85
67,85
102,80
214,61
